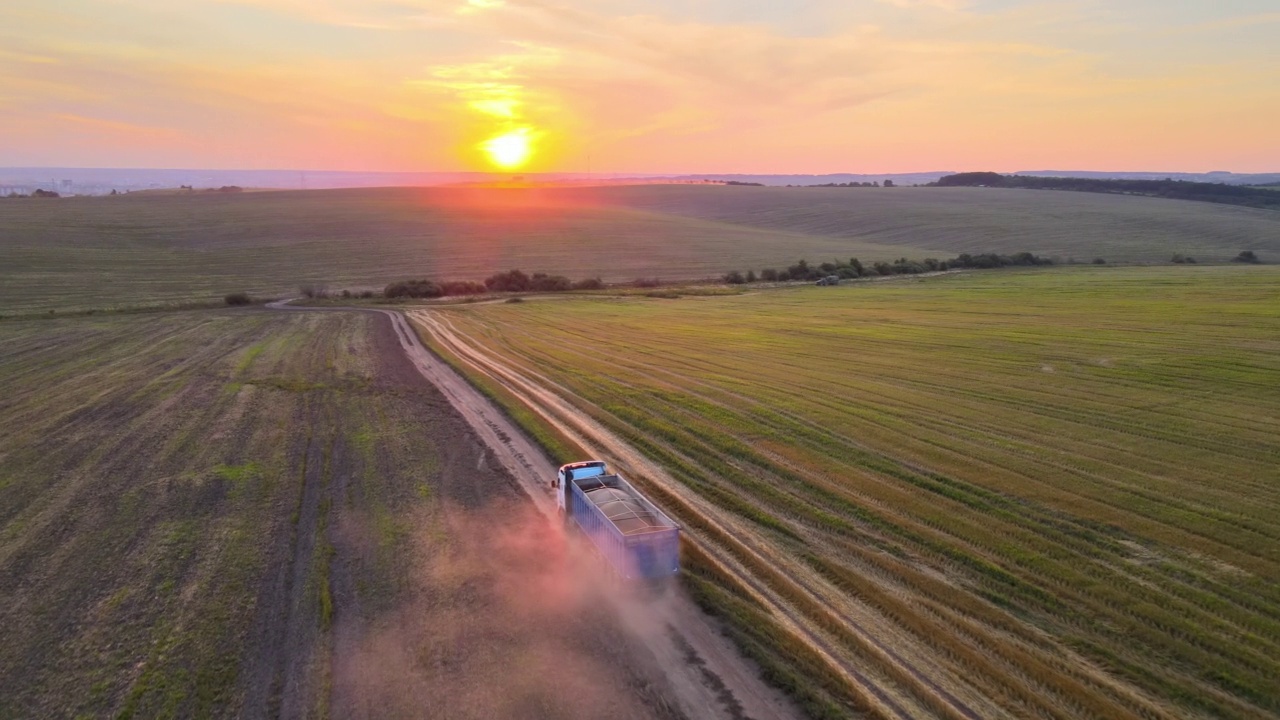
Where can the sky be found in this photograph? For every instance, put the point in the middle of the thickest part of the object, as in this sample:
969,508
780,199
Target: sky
624,86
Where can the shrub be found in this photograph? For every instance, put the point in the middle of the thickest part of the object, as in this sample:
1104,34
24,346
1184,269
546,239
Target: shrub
311,290
366,294
515,300
1099,261
346,294
647,282
1246,256
802,271
238,298
549,283
751,276
511,281
413,289
992,260
734,278
903,266
769,275
462,287
589,284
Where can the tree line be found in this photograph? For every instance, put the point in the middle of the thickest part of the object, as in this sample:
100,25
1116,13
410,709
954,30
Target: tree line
854,268
510,281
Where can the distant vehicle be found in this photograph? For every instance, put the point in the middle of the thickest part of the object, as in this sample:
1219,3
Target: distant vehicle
636,539
829,280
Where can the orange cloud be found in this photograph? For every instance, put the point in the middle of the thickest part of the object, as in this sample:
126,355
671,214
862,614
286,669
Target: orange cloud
877,85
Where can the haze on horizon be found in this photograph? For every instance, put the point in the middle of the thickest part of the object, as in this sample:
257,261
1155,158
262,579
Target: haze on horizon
668,86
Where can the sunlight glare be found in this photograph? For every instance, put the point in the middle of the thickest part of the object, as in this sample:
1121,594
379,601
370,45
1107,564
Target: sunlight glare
511,149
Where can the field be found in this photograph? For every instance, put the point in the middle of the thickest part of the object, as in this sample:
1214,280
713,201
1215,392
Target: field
1003,494
950,221
80,254
270,514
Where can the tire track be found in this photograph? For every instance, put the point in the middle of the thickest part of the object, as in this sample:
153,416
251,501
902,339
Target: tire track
709,677
554,409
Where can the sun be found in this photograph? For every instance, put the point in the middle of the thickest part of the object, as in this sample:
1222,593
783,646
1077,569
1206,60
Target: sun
511,149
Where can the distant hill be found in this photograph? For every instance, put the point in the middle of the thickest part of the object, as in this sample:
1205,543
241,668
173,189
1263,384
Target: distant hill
100,252
1245,195
1228,178
920,178
101,181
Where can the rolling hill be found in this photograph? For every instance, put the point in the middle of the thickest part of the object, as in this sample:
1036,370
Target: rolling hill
136,250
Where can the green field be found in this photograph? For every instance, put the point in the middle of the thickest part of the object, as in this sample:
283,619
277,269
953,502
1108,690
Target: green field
79,254
1052,493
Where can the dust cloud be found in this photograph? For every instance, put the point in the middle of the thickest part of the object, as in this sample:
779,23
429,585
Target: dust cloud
506,618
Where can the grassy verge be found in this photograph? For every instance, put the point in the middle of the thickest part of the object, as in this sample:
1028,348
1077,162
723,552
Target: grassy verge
558,446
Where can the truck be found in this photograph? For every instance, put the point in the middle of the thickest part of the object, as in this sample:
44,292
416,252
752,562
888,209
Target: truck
637,541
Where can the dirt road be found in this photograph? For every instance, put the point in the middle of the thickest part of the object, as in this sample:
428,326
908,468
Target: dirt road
882,696
707,676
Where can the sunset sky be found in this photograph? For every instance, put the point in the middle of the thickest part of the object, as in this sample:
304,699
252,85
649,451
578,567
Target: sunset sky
812,86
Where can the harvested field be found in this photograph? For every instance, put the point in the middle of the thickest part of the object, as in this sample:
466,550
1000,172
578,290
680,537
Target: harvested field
1008,494
145,250
96,253
950,221
261,514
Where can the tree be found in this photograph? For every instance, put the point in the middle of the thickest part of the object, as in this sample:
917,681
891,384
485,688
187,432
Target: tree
594,283
889,183
751,276
734,278
801,271
413,289
543,282
511,281
1246,256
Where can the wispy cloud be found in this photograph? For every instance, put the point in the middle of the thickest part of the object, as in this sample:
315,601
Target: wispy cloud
116,127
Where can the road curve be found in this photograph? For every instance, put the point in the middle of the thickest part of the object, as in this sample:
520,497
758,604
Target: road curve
708,675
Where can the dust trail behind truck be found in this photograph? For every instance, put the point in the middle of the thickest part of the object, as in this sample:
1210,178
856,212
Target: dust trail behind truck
636,539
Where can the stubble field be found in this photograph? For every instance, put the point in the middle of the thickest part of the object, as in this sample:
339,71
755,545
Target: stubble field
1033,494
266,514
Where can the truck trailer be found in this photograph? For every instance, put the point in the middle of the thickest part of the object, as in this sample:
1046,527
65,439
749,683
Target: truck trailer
636,539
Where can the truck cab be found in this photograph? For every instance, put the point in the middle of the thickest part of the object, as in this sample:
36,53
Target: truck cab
578,470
